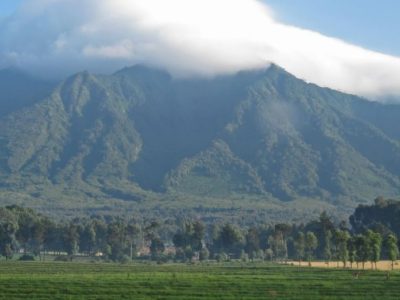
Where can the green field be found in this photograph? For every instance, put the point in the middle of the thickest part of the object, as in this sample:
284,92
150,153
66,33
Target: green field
231,281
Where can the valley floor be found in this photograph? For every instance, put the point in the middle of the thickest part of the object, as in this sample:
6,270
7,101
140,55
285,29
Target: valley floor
50,280
381,265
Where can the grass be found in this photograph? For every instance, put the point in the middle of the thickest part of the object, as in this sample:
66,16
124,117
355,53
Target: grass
213,281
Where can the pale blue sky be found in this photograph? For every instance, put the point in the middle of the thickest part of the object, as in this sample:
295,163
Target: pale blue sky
372,24
7,6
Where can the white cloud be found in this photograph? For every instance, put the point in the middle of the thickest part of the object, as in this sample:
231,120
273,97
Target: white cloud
187,37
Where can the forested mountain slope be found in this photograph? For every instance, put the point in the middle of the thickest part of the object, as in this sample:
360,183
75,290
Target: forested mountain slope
140,134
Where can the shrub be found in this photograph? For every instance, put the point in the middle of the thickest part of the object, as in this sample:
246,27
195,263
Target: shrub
124,259
244,256
27,257
222,257
63,258
204,254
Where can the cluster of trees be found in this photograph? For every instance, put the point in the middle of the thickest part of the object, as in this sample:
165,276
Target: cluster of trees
383,216
24,230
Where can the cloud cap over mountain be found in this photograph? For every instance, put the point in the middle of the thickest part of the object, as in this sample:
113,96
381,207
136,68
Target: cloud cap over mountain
186,37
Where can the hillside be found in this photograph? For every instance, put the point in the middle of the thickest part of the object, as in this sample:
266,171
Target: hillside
139,138
19,90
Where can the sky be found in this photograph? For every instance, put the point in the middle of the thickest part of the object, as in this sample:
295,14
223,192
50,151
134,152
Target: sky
352,46
370,23
8,6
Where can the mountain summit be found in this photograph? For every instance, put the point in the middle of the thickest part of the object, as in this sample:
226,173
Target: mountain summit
140,134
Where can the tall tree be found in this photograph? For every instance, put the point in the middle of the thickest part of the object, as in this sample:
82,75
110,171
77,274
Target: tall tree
8,230
327,251
320,228
352,250
283,230
101,231
88,238
311,245
392,248
230,240
362,249
71,239
116,239
342,238
277,244
375,246
39,233
132,232
189,239
26,219
252,242
157,248
300,246
197,238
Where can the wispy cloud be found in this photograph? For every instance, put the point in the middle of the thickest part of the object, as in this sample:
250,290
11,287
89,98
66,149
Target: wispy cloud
186,37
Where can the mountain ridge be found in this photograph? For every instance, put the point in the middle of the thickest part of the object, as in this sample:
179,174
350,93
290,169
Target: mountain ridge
140,134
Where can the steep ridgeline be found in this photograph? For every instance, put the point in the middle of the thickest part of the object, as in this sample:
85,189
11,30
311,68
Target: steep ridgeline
262,134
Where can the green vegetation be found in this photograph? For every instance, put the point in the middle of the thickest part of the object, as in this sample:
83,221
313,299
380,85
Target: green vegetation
204,281
19,90
138,139
184,259
383,216
109,238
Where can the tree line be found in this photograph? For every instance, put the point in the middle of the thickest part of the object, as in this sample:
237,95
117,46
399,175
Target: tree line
30,234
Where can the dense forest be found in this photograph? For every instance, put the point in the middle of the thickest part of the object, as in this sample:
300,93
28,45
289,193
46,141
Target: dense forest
372,235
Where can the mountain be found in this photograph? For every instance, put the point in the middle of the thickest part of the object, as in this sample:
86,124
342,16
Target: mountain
255,139
19,90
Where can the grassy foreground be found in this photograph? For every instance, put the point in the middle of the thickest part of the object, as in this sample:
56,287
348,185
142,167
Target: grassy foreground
214,281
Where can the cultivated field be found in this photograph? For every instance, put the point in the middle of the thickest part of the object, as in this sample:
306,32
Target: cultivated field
214,281
382,265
